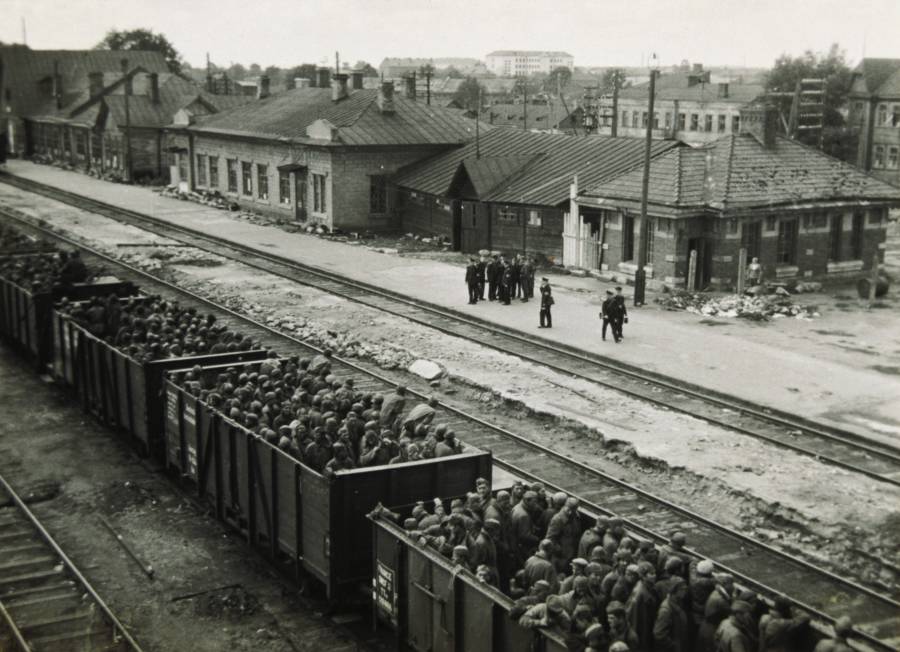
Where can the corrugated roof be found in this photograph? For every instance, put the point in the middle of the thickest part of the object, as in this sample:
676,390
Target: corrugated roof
539,116
545,180
875,72
488,172
24,68
359,121
736,171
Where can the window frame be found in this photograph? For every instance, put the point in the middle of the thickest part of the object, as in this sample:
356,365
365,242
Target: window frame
231,172
835,238
721,123
213,171
786,245
628,238
201,170
508,214
535,218
751,238
247,178
284,180
378,194
682,121
320,193
708,123
262,181
892,160
857,235
878,154
695,122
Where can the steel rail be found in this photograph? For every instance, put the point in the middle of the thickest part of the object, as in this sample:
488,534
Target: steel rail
520,440
122,632
762,413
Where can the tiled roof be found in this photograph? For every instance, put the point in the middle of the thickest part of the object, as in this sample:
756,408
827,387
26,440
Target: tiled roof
875,72
544,180
737,172
539,116
358,120
24,68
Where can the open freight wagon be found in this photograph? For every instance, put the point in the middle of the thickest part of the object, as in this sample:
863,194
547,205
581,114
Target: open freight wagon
433,605
123,393
303,520
26,317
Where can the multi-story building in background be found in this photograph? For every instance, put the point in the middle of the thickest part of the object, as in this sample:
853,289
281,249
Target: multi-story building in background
875,112
511,63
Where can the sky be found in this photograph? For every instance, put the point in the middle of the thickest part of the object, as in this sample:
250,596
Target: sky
596,32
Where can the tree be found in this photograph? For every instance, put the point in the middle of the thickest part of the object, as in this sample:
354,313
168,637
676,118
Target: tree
367,68
559,77
236,72
303,71
142,39
831,66
466,95
613,78
274,73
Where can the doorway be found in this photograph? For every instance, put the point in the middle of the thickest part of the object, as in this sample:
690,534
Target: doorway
703,271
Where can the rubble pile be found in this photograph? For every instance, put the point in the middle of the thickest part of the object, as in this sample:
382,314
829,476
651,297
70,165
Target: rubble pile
757,307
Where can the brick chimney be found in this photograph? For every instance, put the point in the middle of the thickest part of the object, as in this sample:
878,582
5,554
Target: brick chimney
386,98
95,83
323,77
262,87
154,87
356,78
723,90
410,84
761,122
339,87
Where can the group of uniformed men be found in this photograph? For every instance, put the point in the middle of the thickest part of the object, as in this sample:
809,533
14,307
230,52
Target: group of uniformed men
42,272
505,279
604,590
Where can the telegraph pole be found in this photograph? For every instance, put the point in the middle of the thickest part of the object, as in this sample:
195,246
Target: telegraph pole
615,107
427,71
477,128
640,276
127,89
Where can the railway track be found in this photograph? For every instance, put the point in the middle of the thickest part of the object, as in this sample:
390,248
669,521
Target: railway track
768,570
46,604
831,445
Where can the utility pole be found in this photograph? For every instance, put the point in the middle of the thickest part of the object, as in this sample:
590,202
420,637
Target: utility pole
427,71
477,128
127,90
640,276
615,107
525,103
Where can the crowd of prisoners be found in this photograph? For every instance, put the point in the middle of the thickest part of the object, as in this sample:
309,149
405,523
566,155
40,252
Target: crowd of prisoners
602,589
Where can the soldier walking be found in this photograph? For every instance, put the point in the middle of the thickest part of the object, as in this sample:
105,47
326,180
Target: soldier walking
472,281
607,310
546,303
480,271
506,284
620,314
493,276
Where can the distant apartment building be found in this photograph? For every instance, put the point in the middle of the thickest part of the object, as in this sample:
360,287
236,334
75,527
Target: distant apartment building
875,112
690,107
511,63
397,67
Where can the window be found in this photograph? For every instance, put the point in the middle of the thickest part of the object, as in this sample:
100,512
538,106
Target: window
624,118
770,223
735,124
535,218
878,158
786,251
231,166
656,120
892,157
319,194
507,214
182,167
695,121
882,115
635,116
213,171
721,124
628,238
262,181
378,194
668,120
651,228
247,177
834,238
751,237
708,122
201,170
856,236
284,187
644,119
681,121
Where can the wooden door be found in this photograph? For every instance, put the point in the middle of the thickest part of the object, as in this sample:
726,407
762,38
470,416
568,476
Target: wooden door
475,227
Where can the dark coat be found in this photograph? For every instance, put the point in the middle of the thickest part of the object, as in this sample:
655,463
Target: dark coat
471,274
641,614
670,632
546,296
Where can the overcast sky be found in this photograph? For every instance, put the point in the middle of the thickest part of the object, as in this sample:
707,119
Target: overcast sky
596,32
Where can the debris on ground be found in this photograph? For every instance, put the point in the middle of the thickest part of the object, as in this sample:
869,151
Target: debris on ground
233,602
753,307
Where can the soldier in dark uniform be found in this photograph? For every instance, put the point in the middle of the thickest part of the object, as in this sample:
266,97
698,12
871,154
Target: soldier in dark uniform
481,270
531,270
506,284
472,281
607,310
73,270
527,273
493,277
621,314
546,303
515,289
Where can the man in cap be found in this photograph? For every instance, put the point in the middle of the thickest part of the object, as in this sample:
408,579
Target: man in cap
592,537
624,586
620,630
579,568
620,315
843,628
670,632
492,278
579,594
675,548
717,609
564,530
392,407
460,556
779,630
537,594
549,614
546,318
607,312
480,273
472,281
737,633
701,586
340,462
524,533
506,283
540,567
642,604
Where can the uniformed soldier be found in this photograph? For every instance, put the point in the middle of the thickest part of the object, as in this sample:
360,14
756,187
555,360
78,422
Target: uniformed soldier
546,303
472,281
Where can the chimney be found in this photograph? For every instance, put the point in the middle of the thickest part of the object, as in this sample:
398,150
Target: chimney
154,87
57,85
323,77
339,87
301,82
761,122
410,82
95,83
262,87
357,80
386,97
723,90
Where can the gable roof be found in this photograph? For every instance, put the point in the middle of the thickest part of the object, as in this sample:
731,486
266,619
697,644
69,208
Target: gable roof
357,119
872,74
24,68
551,161
737,172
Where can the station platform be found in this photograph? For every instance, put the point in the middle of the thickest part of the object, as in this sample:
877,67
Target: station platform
805,367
